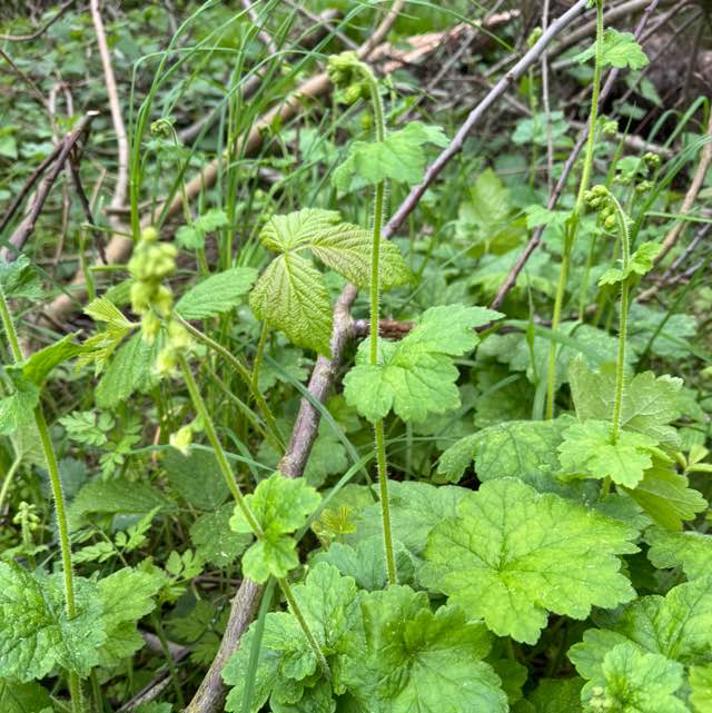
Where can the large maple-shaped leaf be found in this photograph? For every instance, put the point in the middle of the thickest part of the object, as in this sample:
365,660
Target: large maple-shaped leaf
407,658
416,377
513,554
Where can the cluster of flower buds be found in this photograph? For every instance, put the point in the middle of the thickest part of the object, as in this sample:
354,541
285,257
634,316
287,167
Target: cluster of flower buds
152,262
599,701
599,198
352,77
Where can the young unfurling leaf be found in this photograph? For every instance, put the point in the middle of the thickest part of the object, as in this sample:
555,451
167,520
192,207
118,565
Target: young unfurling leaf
291,294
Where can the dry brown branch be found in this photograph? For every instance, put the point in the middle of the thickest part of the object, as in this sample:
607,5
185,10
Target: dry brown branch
118,198
691,196
27,225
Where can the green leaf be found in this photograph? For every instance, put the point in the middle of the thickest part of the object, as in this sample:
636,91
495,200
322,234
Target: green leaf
347,250
114,497
587,451
664,494
677,626
88,427
416,377
701,684
130,370
283,233
690,550
517,449
280,506
633,680
24,698
641,263
410,659
196,477
17,409
291,296
557,695
400,157
649,403
102,309
416,508
364,562
213,539
126,596
19,278
37,367
513,554
193,236
216,294
620,49
36,635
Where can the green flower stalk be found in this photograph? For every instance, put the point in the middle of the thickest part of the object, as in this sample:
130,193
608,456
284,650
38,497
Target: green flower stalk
573,222
358,81
151,263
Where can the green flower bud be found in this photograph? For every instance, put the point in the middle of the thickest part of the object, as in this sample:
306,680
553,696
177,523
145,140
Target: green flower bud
610,222
178,337
609,127
150,326
652,160
163,300
182,439
141,294
166,361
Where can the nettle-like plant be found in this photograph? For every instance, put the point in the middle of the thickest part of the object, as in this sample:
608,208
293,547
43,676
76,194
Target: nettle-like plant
419,596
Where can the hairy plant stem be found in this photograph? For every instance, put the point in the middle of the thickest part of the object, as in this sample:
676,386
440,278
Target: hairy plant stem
210,431
573,222
57,494
259,354
375,298
624,235
9,476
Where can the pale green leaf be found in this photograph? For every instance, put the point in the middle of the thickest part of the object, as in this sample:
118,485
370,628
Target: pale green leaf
701,684
17,409
665,495
650,403
631,680
620,49
19,278
24,698
291,296
280,506
283,233
196,477
216,294
557,695
587,451
517,449
408,658
677,626
690,550
400,157
641,262
416,377
37,367
102,309
513,554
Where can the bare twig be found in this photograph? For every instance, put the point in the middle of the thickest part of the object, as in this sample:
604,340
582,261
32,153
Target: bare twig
535,240
691,196
26,226
34,89
264,36
122,179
